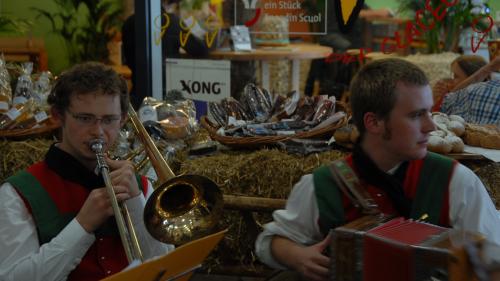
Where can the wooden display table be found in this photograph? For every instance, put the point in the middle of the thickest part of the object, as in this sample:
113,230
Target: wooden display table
291,52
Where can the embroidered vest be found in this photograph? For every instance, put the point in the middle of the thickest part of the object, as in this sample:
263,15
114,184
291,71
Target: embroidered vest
426,183
53,202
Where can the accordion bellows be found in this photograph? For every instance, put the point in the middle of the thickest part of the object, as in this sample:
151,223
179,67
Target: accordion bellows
384,248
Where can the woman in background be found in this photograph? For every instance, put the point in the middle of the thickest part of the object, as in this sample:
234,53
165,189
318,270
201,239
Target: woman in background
462,68
477,98
171,44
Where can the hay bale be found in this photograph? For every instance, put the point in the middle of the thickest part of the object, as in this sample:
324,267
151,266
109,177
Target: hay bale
263,173
489,173
435,66
18,155
267,173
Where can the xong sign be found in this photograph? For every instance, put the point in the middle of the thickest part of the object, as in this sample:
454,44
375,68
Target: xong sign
201,87
203,80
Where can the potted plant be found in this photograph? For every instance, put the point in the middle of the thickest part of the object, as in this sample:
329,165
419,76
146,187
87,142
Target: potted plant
86,26
9,24
445,34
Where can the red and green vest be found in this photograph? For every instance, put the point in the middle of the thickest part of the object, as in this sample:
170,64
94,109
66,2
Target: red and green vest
53,202
426,183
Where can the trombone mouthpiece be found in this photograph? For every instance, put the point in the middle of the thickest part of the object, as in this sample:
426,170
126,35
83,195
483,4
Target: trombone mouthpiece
96,145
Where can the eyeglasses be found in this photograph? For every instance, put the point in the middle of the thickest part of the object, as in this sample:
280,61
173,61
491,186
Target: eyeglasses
90,119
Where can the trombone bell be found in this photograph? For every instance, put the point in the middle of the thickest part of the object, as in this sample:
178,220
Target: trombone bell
183,209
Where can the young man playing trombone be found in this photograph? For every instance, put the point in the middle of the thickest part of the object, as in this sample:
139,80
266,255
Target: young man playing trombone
56,219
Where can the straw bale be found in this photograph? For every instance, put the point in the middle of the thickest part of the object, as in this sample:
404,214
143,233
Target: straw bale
489,173
279,76
17,155
435,66
267,173
263,173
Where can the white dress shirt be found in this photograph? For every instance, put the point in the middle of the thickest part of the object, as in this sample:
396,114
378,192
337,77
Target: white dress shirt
471,209
22,258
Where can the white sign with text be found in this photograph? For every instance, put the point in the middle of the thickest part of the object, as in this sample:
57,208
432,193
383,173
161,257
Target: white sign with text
296,12
204,80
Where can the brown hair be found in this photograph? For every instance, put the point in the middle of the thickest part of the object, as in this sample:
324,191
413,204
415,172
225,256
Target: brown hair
470,63
88,77
373,87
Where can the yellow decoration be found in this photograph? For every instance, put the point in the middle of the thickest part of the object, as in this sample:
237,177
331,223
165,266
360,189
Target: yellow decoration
210,35
347,9
183,37
162,28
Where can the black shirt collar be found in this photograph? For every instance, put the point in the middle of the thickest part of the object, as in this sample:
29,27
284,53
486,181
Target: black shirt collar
392,185
70,169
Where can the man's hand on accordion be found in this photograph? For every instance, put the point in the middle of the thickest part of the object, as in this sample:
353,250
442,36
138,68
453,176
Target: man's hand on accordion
310,262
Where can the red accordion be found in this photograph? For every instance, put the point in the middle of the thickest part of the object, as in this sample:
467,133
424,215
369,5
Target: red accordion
378,247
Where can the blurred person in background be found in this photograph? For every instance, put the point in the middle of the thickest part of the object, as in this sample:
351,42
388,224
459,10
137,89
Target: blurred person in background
334,77
194,46
478,97
461,68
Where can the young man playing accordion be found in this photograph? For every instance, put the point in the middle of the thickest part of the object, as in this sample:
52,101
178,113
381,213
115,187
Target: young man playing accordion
391,103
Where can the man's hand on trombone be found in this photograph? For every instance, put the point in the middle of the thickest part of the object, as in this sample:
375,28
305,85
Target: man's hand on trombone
97,208
123,174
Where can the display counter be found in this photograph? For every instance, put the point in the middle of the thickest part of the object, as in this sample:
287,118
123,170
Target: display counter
293,52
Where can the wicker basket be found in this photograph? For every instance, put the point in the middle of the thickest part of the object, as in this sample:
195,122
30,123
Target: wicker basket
252,142
21,134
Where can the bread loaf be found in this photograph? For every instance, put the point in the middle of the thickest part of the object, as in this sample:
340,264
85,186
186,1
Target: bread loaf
343,134
439,145
445,138
175,127
456,127
457,145
354,134
487,136
440,118
457,118
438,133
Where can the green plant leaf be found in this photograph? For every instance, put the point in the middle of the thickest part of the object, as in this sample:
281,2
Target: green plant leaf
87,26
14,25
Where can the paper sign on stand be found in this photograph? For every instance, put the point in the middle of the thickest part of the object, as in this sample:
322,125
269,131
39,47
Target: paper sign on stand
176,265
199,80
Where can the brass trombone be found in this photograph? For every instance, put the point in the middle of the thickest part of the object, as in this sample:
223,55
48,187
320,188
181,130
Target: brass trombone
122,215
182,209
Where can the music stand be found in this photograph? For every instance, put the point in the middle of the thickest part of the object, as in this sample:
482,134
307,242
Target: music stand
176,265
